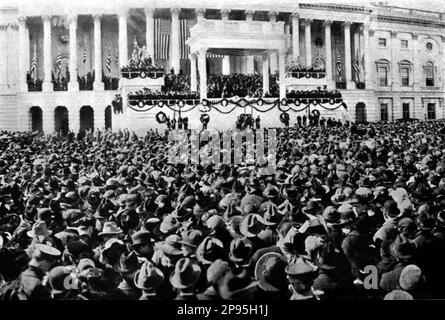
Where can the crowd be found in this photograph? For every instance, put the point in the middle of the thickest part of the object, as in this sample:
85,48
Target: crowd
110,217
299,71
240,85
318,93
86,82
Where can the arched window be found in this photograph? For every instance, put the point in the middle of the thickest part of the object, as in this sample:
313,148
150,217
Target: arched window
382,72
405,68
428,70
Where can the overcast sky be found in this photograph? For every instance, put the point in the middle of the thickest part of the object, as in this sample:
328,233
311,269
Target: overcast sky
433,5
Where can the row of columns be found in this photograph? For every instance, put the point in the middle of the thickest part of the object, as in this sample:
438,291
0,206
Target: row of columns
328,47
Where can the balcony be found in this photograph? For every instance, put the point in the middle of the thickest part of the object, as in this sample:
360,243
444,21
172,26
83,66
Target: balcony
237,27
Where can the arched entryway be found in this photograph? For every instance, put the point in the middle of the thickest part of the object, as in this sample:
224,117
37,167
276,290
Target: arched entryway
360,112
108,118
61,120
35,119
86,118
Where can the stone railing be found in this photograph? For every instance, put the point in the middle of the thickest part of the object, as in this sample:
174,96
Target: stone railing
235,27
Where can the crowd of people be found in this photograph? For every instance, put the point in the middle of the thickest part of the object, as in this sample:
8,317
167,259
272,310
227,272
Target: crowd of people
110,217
240,85
295,69
86,81
310,94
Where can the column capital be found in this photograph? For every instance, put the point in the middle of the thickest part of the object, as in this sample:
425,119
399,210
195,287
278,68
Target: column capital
327,23
371,32
225,13
307,22
46,18
123,12
202,51
175,11
393,34
149,11
22,19
295,15
347,24
72,18
415,36
97,16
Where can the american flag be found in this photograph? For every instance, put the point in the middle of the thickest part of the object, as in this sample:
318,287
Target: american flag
108,62
59,61
356,66
84,55
34,62
162,38
338,63
185,25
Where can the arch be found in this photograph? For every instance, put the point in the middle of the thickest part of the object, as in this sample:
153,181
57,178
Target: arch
108,118
86,118
360,112
35,119
61,123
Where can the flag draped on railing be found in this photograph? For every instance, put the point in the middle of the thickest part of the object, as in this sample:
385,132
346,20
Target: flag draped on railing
59,62
108,63
338,64
116,57
162,32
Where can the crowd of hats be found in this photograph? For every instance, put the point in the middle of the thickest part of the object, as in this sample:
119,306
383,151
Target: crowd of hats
109,217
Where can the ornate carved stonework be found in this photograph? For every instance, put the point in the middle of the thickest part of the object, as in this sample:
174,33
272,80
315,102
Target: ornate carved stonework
393,34
307,22
200,12
225,13
347,24
415,36
371,32
295,15
327,23
149,11
250,14
175,11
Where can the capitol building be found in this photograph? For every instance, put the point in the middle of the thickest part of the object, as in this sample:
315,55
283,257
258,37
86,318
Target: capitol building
69,67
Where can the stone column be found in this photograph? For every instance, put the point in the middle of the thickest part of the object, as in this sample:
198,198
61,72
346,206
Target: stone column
327,35
193,79
23,54
250,64
417,72
296,37
98,84
47,56
226,65
150,33
99,118
273,62
394,60
202,58
73,85
369,81
348,65
176,53
48,119
265,74
308,41
74,119
123,44
281,70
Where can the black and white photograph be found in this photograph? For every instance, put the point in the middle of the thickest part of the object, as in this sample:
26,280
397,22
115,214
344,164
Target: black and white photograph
238,151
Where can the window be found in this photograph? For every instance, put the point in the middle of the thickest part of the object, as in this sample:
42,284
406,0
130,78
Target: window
384,112
429,46
429,74
382,42
431,111
383,76
405,111
404,71
404,44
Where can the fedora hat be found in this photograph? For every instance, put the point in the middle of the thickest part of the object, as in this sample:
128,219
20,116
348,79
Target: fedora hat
110,228
271,191
269,270
331,215
209,250
181,212
240,250
148,277
186,274
169,224
251,225
171,245
141,238
192,238
300,268
411,278
39,230
128,262
402,248
253,185
233,286
312,207
271,216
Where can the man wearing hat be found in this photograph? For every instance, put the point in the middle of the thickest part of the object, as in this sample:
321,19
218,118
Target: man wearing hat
270,272
128,266
238,286
215,274
142,244
43,258
148,278
184,278
250,227
190,241
301,276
